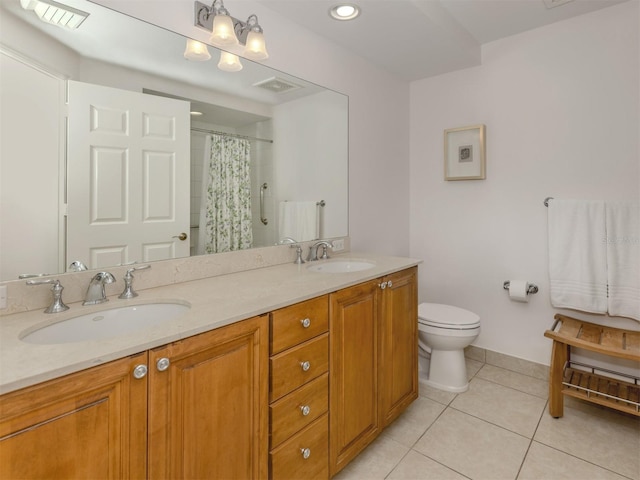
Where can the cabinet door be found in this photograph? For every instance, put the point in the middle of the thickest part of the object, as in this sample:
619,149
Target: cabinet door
208,404
399,354
354,408
90,424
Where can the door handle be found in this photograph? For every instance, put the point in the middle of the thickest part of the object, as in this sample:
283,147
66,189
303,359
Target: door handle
182,236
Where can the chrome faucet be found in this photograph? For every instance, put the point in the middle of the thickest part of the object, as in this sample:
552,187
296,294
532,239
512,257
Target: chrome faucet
95,292
313,251
57,305
128,282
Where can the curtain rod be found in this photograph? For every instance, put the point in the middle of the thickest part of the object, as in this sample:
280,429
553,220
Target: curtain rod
202,130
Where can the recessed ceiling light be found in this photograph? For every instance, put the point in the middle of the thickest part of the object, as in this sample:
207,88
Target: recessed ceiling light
344,11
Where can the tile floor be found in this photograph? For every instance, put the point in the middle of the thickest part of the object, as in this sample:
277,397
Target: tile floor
500,429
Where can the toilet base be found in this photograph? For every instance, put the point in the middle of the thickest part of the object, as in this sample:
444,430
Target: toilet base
448,371
447,388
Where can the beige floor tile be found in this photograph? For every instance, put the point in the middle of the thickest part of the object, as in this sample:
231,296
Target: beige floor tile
436,395
518,381
410,426
502,406
418,467
473,447
545,463
603,437
376,461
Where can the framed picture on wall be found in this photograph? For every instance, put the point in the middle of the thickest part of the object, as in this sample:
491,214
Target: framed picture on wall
464,153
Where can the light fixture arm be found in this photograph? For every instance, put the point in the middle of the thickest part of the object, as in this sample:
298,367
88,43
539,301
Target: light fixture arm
204,15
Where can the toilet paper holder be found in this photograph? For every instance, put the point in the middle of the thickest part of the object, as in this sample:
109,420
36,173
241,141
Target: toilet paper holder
531,287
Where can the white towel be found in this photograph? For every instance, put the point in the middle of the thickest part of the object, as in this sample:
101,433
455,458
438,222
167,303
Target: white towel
578,255
623,258
298,220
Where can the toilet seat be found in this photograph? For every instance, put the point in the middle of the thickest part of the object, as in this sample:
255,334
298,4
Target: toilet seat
447,317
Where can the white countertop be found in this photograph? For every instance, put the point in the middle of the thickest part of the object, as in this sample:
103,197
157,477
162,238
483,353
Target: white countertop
215,302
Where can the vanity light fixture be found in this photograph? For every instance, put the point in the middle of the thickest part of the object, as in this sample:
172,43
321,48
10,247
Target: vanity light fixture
55,13
197,51
229,62
344,11
227,31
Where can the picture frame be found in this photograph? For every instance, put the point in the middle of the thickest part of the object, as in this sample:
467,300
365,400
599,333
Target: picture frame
464,153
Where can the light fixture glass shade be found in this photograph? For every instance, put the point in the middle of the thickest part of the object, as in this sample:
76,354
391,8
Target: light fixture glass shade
223,33
256,48
229,62
197,51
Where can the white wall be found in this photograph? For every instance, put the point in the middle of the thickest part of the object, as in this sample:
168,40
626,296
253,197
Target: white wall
378,113
560,104
310,141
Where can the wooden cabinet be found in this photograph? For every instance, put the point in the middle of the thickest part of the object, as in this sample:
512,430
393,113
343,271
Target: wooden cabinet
200,412
399,351
295,394
299,363
373,357
91,424
207,404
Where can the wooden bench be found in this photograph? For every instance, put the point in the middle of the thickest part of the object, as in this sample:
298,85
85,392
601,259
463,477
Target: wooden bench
593,384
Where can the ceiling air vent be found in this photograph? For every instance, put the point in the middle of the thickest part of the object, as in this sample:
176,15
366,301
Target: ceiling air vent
277,85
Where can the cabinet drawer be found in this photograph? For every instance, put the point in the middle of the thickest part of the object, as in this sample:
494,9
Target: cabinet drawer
298,365
288,460
299,323
298,409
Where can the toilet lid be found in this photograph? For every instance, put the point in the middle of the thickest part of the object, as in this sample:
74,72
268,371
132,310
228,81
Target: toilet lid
440,315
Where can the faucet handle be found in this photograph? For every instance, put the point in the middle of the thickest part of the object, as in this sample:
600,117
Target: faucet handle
298,260
128,282
57,305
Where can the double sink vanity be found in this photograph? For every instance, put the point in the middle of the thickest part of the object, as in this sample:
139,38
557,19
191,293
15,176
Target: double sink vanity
287,371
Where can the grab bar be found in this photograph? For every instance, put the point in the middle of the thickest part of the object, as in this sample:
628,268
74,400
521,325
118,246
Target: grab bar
262,217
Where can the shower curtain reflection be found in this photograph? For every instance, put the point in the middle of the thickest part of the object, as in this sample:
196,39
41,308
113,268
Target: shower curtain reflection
225,210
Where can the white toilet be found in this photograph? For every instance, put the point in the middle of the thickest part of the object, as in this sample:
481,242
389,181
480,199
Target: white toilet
445,331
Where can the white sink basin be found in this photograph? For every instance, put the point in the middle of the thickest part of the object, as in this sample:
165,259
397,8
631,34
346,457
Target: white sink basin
105,324
341,266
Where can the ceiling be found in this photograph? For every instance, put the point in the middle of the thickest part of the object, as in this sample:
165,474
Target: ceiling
416,39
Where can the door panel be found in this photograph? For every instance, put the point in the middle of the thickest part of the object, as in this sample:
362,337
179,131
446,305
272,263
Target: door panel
128,176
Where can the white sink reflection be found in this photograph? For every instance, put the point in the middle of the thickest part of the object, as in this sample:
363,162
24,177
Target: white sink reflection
341,266
108,323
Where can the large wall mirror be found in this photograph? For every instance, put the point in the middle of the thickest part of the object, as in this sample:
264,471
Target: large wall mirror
115,148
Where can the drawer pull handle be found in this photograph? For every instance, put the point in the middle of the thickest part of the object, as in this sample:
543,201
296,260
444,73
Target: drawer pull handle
305,366
140,371
389,284
305,410
306,453
306,322
382,285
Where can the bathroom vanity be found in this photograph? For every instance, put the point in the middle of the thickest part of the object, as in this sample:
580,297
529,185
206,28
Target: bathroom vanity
275,373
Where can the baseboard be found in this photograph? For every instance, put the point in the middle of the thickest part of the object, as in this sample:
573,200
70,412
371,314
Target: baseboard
515,364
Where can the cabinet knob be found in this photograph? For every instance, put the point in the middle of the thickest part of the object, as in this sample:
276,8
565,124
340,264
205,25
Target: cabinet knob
305,410
305,366
162,364
382,285
389,284
140,371
306,453
306,323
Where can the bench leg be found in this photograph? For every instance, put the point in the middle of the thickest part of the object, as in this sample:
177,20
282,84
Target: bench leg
559,356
